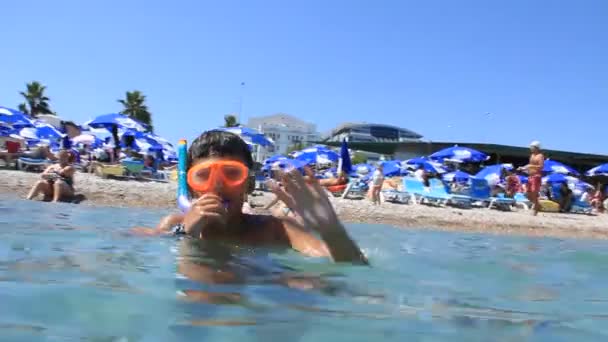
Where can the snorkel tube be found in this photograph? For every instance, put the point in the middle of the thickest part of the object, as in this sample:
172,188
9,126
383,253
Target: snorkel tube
183,200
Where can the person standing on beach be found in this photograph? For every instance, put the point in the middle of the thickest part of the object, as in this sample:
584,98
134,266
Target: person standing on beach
377,181
535,170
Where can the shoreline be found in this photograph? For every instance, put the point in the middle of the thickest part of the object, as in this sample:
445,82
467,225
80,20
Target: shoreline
155,195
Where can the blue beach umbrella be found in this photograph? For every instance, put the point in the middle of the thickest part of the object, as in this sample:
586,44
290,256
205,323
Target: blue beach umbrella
463,154
456,176
120,120
274,159
493,170
345,163
317,155
15,118
249,135
433,167
555,178
362,169
41,132
552,166
287,164
417,161
601,170
391,168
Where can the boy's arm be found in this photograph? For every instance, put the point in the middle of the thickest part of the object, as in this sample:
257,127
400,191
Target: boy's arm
163,227
335,243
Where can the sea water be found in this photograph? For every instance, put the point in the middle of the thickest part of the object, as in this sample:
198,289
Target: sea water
73,273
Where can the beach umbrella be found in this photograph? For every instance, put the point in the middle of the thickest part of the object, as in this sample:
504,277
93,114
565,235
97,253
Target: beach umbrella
15,118
433,167
601,170
249,135
41,132
493,171
417,161
555,178
523,179
288,164
391,168
459,153
552,166
362,169
345,163
87,139
317,155
275,158
456,176
120,120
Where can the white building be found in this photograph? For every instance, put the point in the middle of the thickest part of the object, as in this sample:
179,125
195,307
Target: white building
285,130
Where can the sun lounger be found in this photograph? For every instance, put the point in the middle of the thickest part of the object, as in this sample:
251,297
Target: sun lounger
24,163
522,201
481,193
415,188
439,191
396,196
133,167
355,189
107,171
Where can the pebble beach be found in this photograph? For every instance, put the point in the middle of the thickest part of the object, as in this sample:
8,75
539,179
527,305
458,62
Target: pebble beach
130,193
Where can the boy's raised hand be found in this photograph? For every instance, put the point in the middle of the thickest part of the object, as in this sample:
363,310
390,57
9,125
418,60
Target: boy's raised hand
307,198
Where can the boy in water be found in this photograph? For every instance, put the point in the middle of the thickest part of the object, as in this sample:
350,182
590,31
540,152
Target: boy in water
216,214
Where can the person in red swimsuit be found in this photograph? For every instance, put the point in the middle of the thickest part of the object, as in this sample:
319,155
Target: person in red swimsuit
535,170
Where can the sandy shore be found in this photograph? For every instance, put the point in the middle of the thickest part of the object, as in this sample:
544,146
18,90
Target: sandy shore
108,192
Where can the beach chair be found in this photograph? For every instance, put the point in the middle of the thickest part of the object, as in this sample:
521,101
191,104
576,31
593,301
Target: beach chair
481,193
522,201
415,189
355,189
440,192
109,170
581,207
133,167
24,163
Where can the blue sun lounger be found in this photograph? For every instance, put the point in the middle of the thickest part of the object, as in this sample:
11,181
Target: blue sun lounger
24,163
481,192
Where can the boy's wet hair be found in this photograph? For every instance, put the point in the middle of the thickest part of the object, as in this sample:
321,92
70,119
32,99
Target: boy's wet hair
218,143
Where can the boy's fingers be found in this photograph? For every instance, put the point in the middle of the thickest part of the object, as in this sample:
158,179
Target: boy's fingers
314,182
284,196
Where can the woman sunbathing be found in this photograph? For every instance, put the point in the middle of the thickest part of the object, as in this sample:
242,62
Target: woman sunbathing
340,180
57,180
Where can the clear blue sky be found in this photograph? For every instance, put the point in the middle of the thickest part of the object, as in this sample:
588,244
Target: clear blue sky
437,67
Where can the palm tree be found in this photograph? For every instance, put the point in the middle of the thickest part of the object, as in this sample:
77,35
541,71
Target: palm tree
230,121
135,107
35,100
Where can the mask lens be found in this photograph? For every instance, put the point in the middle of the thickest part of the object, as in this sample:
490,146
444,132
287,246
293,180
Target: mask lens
202,175
234,173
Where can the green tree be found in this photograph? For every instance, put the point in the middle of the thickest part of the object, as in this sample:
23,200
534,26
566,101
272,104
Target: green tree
36,102
296,146
135,107
358,158
230,121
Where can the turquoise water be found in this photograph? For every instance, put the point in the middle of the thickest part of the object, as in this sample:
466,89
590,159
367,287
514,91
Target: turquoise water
70,273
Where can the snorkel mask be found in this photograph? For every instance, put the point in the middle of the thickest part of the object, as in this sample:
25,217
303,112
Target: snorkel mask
204,177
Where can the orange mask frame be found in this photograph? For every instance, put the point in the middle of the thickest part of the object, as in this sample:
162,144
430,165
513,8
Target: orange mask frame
205,176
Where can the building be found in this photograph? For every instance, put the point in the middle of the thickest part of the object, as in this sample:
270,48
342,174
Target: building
286,130
517,155
369,132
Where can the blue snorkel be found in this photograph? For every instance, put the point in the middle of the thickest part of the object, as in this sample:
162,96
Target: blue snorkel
183,200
